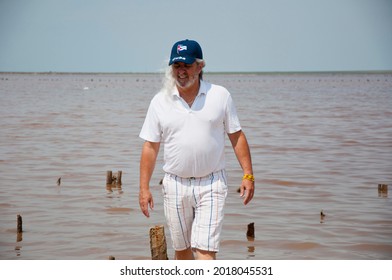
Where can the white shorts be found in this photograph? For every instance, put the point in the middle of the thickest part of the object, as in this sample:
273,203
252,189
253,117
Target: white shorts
194,210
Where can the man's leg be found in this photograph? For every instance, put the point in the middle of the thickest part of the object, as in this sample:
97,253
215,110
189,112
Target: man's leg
211,194
205,255
179,214
186,254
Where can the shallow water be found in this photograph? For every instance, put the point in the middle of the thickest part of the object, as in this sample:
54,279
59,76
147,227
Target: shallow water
320,142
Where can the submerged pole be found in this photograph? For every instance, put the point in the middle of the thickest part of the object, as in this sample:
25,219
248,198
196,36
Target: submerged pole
251,231
109,177
119,174
19,227
383,188
158,243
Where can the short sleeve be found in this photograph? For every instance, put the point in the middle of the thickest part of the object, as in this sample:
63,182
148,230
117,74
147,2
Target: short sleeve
151,130
232,122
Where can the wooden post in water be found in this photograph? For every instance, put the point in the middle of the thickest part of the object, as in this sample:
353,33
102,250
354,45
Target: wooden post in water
109,177
250,234
382,188
119,174
158,243
19,228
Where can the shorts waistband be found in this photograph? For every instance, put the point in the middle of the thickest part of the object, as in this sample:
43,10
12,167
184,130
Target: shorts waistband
221,172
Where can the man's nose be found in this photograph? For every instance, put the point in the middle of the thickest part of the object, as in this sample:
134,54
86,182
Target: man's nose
181,69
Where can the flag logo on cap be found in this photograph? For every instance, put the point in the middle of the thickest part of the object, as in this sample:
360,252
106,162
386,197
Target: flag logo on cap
181,48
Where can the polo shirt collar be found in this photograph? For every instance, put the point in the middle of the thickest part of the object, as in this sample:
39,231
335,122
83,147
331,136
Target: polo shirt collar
202,89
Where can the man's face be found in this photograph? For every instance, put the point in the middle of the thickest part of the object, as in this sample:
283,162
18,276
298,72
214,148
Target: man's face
186,75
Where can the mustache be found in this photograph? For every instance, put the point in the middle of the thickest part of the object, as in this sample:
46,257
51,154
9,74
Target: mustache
194,76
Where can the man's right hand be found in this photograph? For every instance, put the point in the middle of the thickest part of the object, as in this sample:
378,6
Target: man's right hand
145,201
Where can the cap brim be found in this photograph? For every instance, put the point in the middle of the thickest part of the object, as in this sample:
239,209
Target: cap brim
184,59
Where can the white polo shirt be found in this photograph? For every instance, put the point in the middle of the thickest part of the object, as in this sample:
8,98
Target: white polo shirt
193,138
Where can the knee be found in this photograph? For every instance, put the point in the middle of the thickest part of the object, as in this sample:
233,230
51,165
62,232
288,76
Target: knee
186,254
205,255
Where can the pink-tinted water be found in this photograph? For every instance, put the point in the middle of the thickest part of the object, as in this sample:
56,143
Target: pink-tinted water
320,142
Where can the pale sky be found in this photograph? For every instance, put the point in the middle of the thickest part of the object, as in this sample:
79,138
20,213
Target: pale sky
236,36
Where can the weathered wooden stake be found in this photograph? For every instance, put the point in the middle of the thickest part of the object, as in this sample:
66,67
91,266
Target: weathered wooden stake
109,177
19,228
251,230
113,179
382,188
322,216
158,243
19,237
119,174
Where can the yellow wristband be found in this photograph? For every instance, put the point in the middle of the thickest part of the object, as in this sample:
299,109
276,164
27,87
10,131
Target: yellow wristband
249,177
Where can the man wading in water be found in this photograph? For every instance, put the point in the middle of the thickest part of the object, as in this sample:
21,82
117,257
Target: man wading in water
190,118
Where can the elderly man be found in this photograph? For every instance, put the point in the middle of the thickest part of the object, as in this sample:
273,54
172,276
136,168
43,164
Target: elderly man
190,117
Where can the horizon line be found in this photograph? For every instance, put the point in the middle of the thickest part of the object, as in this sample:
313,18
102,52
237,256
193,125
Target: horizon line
207,72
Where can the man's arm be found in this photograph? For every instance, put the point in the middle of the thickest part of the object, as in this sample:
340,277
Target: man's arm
242,152
147,163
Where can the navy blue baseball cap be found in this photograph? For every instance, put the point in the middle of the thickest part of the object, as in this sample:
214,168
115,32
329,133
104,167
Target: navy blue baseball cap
185,51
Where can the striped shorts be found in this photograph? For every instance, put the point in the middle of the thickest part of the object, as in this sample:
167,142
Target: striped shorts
194,210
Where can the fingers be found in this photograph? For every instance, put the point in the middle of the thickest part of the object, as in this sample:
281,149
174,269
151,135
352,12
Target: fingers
146,201
151,204
247,192
144,207
242,190
248,197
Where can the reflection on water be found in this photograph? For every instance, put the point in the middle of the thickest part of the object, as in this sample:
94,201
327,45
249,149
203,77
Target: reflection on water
321,145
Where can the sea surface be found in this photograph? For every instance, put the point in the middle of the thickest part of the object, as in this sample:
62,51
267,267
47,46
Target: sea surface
320,142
